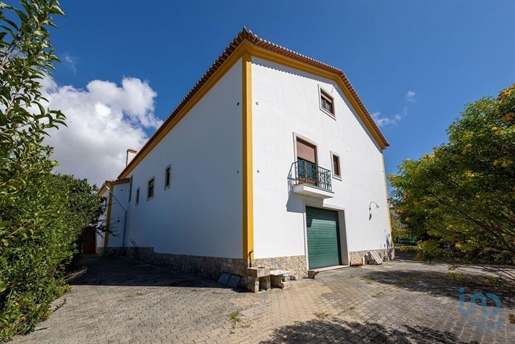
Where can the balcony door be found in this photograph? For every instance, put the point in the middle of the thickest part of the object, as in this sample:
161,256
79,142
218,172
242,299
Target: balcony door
307,162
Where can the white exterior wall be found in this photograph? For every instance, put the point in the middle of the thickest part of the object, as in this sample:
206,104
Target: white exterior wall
286,101
201,213
117,216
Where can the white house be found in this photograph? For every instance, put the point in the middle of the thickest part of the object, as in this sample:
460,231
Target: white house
271,159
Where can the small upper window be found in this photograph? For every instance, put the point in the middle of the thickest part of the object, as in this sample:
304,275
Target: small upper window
137,195
336,166
326,102
168,174
150,190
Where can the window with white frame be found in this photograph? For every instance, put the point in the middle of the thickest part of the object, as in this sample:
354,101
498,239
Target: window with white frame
150,188
326,102
168,176
337,172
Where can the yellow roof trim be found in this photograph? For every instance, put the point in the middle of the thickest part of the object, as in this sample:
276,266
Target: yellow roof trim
111,183
235,57
286,61
248,43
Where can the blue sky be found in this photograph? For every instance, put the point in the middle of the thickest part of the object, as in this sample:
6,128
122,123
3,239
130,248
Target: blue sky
419,60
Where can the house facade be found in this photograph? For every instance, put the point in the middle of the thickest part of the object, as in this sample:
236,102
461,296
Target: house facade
271,160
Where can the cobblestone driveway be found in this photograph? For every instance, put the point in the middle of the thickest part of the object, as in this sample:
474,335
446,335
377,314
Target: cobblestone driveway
120,300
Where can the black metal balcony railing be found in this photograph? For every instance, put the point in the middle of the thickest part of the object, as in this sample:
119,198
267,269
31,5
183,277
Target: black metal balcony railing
305,172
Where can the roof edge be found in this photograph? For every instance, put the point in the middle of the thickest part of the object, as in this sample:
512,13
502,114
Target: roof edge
247,36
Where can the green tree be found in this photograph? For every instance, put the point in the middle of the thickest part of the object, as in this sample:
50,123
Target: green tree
43,232
460,199
41,215
26,56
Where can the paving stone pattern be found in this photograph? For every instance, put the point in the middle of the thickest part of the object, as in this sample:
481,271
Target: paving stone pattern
120,300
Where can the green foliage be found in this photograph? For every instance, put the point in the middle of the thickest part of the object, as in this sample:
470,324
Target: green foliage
26,56
39,241
41,214
460,199
400,233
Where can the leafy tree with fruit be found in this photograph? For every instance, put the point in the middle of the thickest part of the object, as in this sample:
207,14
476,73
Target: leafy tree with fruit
461,198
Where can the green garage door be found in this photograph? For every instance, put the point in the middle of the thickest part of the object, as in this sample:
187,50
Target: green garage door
323,238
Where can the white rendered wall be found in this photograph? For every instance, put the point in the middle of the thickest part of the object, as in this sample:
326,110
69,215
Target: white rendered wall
117,216
286,101
201,213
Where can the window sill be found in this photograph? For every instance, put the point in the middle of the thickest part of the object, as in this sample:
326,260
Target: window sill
332,115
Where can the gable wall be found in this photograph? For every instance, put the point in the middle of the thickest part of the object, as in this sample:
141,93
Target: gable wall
286,101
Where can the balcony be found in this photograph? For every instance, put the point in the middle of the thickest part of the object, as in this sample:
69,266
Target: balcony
311,180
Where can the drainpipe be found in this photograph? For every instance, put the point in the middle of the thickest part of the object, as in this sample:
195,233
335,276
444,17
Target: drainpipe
110,204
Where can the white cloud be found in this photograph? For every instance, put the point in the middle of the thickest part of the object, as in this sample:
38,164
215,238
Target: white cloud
104,120
71,61
383,121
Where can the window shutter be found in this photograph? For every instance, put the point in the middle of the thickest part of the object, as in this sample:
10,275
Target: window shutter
306,151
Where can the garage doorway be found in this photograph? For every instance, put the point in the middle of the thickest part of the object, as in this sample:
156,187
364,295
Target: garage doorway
323,236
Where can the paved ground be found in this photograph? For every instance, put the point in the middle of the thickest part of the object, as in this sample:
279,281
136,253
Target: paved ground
126,301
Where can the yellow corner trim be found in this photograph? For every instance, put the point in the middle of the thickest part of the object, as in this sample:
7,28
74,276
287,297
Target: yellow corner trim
233,59
248,197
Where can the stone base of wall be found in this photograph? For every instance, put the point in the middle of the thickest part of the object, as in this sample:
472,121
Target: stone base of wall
296,265
211,266
356,257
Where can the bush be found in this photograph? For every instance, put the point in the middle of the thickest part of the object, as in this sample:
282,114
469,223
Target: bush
38,243
41,214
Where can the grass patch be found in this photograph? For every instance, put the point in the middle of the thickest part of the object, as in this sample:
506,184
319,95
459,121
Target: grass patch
322,315
236,319
422,320
457,276
367,279
59,305
497,281
128,296
380,294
